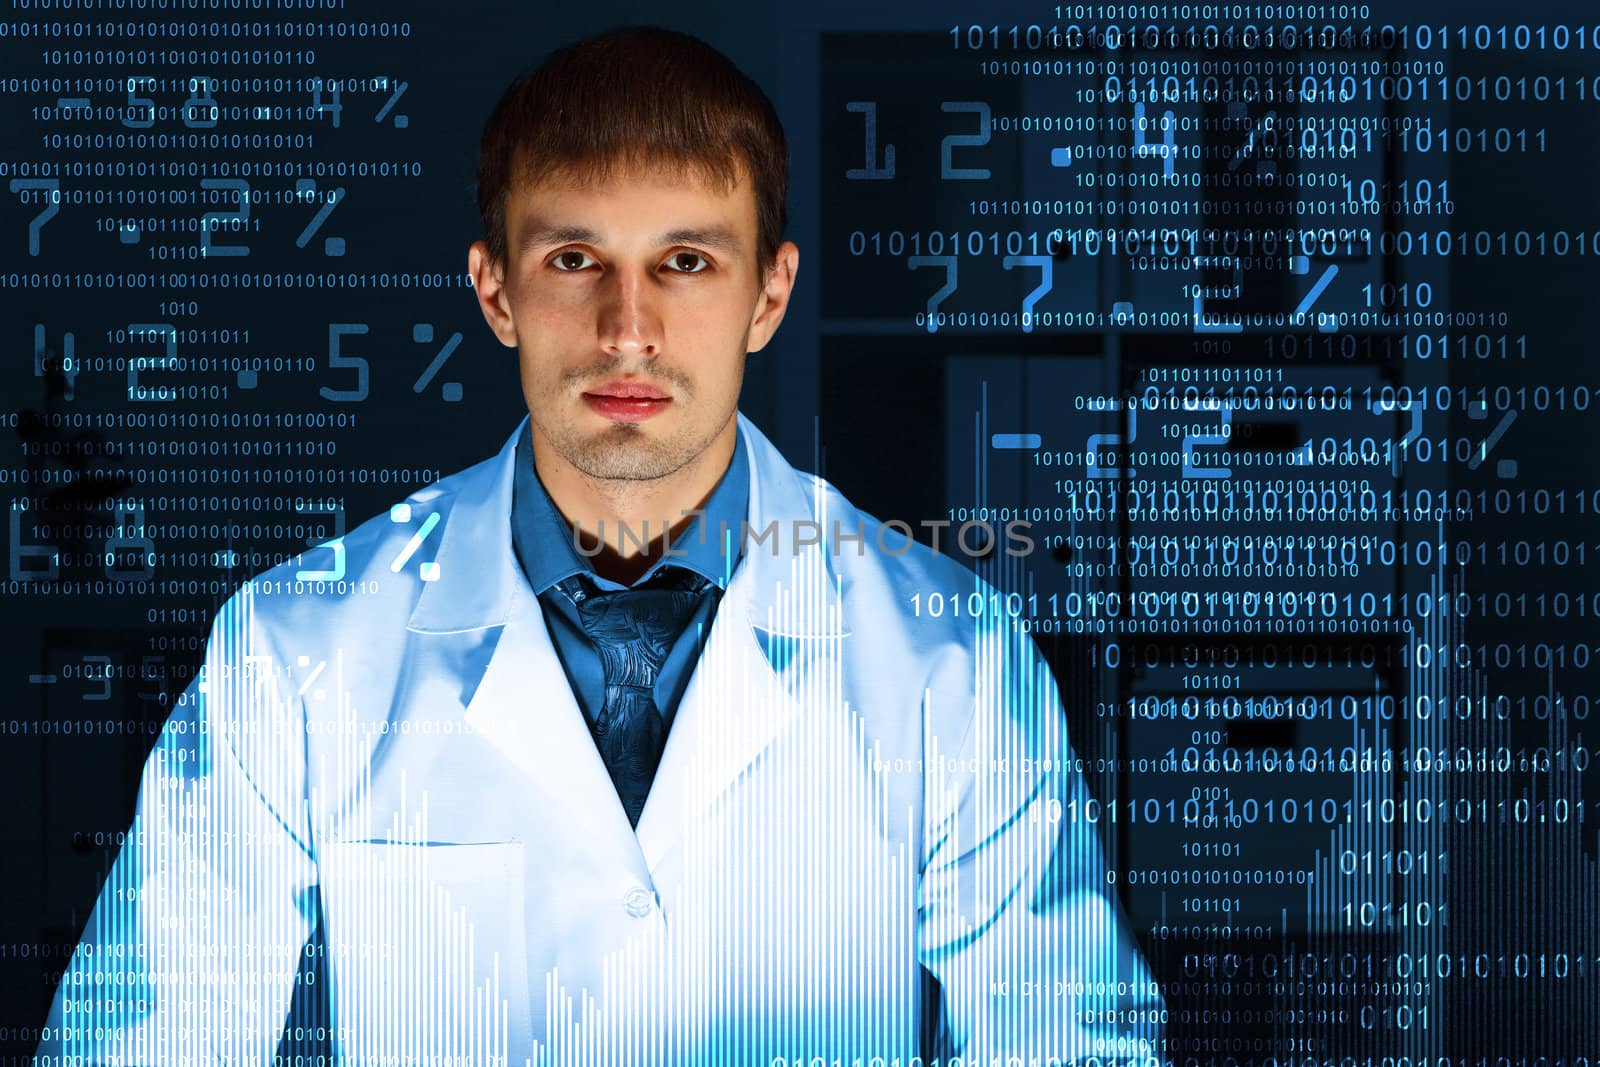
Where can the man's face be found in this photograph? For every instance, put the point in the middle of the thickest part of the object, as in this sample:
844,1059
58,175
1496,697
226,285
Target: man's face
632,304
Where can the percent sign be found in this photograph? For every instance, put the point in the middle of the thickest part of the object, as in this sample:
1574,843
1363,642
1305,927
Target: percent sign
304,662
305,188
422,334
1505,468
400,514
400,121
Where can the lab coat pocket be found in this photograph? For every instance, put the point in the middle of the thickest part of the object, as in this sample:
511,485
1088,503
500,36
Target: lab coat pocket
427,950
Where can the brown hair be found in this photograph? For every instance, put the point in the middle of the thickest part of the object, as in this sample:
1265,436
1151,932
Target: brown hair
634,98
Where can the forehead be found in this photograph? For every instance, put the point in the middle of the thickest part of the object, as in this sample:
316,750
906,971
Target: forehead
630,204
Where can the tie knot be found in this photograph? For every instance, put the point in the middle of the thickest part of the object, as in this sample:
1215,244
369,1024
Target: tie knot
633,629
580,588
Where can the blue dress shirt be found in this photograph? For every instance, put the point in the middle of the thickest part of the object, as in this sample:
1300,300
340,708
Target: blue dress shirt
542,540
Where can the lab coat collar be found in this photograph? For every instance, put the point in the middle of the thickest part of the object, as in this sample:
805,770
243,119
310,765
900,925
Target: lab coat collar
479,581
779,621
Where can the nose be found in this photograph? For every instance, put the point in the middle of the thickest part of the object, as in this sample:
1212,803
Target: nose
630,321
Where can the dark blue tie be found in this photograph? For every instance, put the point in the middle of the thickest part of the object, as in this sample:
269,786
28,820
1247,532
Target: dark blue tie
633,630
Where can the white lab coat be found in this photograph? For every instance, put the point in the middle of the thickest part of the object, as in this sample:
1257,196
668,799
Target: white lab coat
852,791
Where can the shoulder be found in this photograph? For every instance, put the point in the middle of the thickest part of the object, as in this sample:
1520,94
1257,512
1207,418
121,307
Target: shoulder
930,631
888,575
376,571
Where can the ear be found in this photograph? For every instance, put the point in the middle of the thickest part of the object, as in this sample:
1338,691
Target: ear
488,283
774,299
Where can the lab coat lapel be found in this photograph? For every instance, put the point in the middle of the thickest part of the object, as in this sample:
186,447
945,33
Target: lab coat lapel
517,698
524,707
733,707
773,647
777,630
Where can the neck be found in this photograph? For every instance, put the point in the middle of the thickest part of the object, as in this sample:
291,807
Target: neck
624,525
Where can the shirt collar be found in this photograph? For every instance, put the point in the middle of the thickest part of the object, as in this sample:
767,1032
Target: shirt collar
542,538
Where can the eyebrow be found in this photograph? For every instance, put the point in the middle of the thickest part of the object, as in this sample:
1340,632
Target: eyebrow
720,238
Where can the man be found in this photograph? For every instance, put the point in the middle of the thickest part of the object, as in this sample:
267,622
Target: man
559,797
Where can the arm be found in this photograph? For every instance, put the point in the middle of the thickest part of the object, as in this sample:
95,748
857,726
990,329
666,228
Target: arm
1014,920
192,949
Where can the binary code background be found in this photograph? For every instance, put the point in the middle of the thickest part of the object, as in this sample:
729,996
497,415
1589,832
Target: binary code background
1272,317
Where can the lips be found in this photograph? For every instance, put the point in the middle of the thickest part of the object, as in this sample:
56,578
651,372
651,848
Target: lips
629,390
622,401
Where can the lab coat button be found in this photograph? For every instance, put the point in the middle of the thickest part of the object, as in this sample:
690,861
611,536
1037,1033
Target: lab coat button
638,902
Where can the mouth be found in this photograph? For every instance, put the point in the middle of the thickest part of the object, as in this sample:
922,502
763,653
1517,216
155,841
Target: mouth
624,401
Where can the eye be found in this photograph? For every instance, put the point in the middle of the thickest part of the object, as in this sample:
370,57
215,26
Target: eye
677,258
562,261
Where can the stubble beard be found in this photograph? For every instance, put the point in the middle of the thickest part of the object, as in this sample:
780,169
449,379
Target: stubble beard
626,451
621,452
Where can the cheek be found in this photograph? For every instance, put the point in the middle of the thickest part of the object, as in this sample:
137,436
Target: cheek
716,317
551,306
550,326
